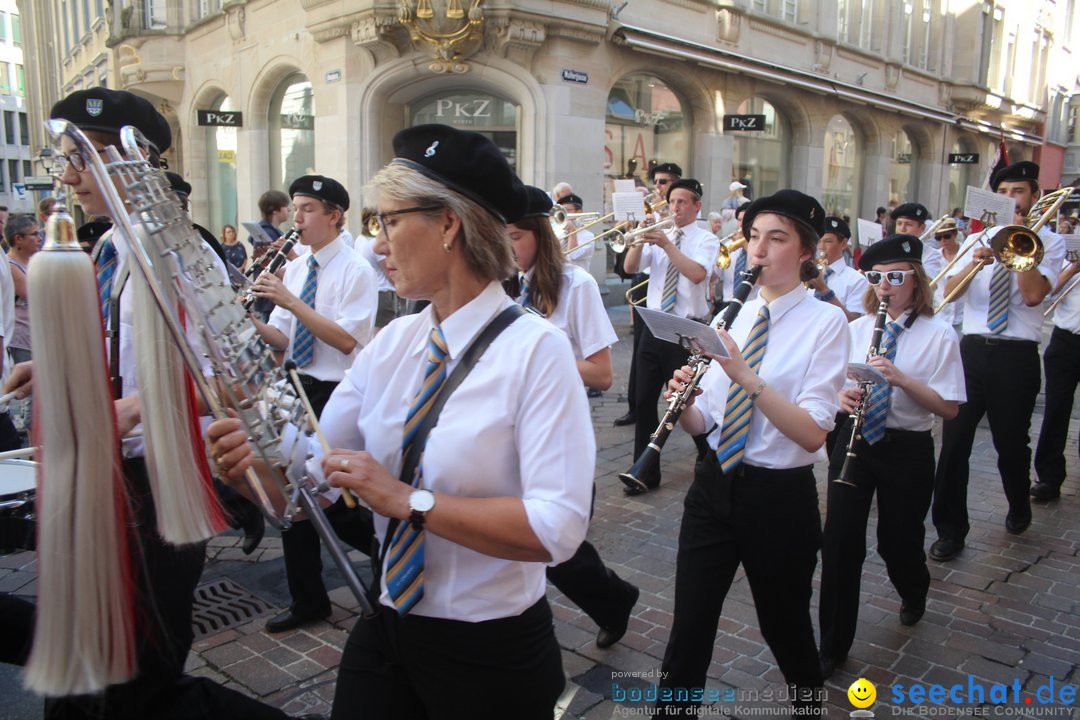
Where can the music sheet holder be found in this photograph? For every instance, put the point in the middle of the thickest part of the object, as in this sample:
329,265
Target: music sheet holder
690,335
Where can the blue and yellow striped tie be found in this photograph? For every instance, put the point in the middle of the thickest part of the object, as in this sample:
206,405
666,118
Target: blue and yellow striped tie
526,295
404,565
671,280
304,341
106,269
873,427
737,411
997,316
740,265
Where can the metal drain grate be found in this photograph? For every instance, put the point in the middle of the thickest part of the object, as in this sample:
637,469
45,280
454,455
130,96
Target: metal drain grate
222,604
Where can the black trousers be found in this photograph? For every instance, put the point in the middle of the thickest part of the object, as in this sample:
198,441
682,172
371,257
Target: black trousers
421,668
767,520
16,629
639,325
1062,364
657,361
1002,379
899,468
165,580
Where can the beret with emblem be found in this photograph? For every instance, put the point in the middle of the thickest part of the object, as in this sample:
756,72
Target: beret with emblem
1016,172
570,199
669,168
321,187
837,225
689,184
793,204
466,162
913,211
108,110
539,202
92,231
178,183
895,248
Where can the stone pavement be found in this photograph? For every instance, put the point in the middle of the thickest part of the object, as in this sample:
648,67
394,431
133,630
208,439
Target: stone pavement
1006,612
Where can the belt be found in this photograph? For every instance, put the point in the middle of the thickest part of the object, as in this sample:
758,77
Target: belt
992,340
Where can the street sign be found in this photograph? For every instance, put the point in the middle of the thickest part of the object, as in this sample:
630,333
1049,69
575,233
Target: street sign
38,182
20,189
220,118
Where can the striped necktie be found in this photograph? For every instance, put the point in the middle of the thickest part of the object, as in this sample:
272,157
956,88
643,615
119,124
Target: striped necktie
997,316
737,411
671,280
740,265
873,427
526,295
304,341
106,270
404,565
829,272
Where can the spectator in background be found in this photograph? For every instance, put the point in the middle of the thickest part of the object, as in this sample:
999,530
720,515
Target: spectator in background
21,233
880,219
715,221
44,211
235,252
735,200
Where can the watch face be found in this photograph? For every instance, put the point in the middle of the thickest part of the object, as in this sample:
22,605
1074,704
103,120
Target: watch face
422,500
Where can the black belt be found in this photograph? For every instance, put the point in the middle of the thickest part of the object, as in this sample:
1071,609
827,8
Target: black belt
993,340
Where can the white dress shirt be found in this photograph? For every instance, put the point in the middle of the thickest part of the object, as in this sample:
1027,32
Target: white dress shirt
346,293
952,313
365,245
728,275
692,300
805,361
1067,313
848,284
927,351
582,254
1025,323
517,426
580,312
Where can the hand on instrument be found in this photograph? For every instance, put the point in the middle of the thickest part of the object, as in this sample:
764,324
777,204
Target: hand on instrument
819,284
128,414
21,380
885,366
849,398
981,253
678,381
229,448
365,476
735,366
271,287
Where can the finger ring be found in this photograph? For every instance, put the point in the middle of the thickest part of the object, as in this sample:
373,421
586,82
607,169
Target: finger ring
345,464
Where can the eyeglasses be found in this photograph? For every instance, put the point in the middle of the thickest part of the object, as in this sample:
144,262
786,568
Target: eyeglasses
381,217
75,159
663,181
895,277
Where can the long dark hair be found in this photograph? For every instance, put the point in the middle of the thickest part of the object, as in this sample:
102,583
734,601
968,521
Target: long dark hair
547,269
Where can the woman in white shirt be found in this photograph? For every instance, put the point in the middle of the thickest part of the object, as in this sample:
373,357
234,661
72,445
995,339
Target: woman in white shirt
919,356
502,487
753,500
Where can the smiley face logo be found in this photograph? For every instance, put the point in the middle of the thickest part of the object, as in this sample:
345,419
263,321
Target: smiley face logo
862,693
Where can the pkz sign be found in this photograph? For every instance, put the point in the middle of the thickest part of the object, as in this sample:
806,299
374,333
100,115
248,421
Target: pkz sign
963,158
752,123
220,118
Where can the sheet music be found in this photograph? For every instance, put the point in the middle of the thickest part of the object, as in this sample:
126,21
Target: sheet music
624,186
861,372
628,206
1072,243
256,232
978,201
869,232
688,334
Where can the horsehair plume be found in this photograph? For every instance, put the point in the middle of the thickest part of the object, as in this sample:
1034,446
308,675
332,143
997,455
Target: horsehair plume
188,510
84,636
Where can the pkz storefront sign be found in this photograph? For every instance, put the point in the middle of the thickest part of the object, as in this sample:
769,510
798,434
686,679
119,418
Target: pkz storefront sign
751,123
963,158
220,118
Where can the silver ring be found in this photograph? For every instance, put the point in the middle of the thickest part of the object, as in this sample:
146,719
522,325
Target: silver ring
345,464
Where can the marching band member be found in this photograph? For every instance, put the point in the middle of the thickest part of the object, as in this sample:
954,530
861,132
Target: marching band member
729,275
679,261
1000,347
920,357
1062,363
570,299
949,239
840,284
324,313
504,481
579,245
753,501
910,219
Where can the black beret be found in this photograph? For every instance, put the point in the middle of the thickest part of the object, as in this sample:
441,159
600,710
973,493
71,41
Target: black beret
1023,170
913,211
466,162
895,248
669,168
798,206
837,225
539,202
570,199
93,230
178,183
689,183
107,110
321,188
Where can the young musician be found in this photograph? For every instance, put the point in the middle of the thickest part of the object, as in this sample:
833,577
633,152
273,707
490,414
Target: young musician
766,410
579,246
503,481
1003,321
840,284
949,239
919,356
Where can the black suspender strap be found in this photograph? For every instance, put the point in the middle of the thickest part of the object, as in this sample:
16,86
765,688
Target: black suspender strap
113,330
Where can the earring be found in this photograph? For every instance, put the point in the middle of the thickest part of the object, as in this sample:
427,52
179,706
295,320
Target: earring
446,247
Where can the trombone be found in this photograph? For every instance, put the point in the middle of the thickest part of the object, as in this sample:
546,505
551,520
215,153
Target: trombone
1072,256
618,229
623,241
929,233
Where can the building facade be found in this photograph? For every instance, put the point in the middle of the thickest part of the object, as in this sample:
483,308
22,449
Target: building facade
859,102
16,163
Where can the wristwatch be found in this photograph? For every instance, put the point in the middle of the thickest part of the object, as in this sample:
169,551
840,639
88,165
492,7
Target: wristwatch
420,503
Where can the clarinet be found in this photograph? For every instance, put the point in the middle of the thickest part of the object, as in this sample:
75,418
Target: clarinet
278,260
677,402
860,408
259,265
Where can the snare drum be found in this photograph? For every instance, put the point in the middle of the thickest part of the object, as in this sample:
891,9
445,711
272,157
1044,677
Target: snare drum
18,479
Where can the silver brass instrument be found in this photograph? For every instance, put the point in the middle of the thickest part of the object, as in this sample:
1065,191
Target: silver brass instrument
677,402
166,249
866,386
279,259
625,240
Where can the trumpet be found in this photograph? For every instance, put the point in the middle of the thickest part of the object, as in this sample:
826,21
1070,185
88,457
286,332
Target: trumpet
623,241
559,216
278,260
727,249
649,209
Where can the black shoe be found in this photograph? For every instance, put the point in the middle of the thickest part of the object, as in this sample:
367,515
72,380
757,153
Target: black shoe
594,393
1017,522
912,612
829,665
627,419
288,621
609,636
1045,492
945,549
254,526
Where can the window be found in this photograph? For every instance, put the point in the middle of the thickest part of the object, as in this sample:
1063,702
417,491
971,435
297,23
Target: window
86,17
24,129
840,180
64,23
9,127
645,125
13,171
155,14
221,169
905,31
3,27
16,30
866,23
760,6
292,131
5,78
788,11
924,48
1074,117
903,170
760,158
27,169
20,80
99,8
842,20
